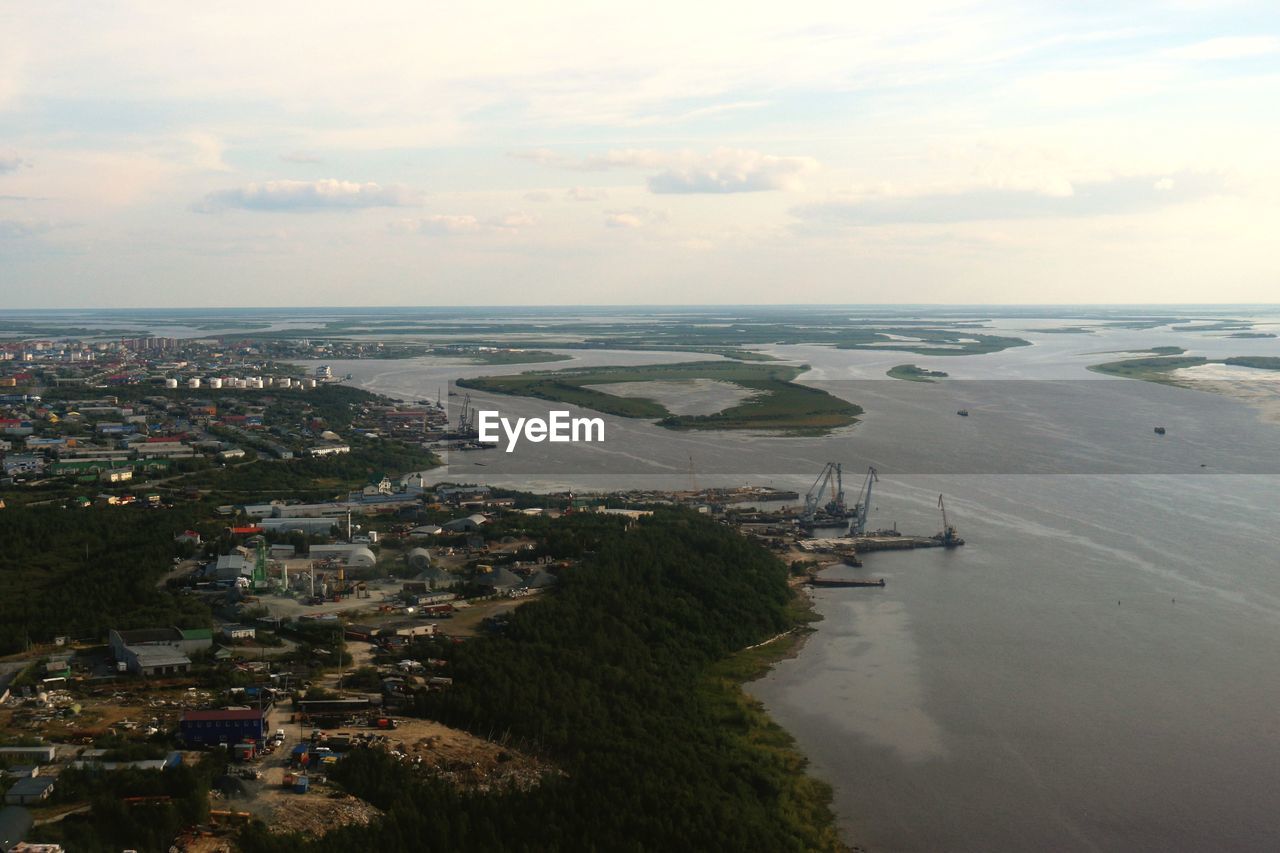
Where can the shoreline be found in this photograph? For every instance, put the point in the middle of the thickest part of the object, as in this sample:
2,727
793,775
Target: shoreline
813,795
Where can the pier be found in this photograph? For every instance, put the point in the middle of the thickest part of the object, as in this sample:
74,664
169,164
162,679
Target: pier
816,581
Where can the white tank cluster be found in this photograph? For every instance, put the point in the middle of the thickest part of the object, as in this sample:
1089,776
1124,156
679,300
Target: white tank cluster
250,382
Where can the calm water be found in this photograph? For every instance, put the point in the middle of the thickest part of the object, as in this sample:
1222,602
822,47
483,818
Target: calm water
1098,669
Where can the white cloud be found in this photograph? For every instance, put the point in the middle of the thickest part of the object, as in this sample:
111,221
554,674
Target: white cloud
445,224
1227,47
635,217
538,196
10,162
586,194
722,170
327,194
1105,197
513,221
15,229
301,157
733,170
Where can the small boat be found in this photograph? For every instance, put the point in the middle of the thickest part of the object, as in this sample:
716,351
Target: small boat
964,413
1159,430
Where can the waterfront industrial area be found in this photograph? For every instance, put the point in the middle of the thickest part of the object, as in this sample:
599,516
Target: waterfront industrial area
264,524
330,617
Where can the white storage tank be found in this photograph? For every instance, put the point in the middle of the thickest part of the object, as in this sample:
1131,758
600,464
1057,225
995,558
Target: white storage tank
308,383
284,382
193,382
215,382
171,383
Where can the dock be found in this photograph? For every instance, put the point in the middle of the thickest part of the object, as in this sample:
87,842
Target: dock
816,581
893,542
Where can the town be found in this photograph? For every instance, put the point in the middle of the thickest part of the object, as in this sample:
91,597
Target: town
288,586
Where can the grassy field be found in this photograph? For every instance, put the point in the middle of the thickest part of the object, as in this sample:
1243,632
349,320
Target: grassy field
911,373
779,404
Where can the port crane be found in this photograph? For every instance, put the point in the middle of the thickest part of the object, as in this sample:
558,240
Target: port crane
465,416
863,506
949,537
831,478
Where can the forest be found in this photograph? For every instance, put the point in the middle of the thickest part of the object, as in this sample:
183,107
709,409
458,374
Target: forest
79,572
618,678
313,477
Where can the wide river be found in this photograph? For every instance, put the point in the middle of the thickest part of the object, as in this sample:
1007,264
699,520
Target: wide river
1097,669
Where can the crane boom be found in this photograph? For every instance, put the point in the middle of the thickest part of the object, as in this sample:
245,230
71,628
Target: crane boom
864,502
831,477
949,537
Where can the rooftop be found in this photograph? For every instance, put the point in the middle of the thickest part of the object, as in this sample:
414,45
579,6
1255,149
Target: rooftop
222,714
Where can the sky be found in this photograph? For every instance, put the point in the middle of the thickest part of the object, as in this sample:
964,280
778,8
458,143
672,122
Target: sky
421,153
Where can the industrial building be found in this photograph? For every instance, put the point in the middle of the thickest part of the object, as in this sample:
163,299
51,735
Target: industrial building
230,567
352,556
310,525
28,754
29,791
230,726
467,523
158,651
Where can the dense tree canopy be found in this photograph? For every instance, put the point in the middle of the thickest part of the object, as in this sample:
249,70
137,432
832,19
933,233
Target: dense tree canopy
613,677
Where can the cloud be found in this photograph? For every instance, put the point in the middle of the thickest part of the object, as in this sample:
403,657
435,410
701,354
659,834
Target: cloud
513,221
538,196
444,224
723,170
1112,196
10,162
635,217
586,194
733,170
1228,47
645,158
16,229
328,194
301,157
542,156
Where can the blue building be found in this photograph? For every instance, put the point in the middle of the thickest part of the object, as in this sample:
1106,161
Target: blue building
210,728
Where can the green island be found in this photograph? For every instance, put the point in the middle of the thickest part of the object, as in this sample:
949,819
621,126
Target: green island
1250,335
1161,369
1214,326
1165,350
726,335
1064,330
779,404
912,373
500,356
